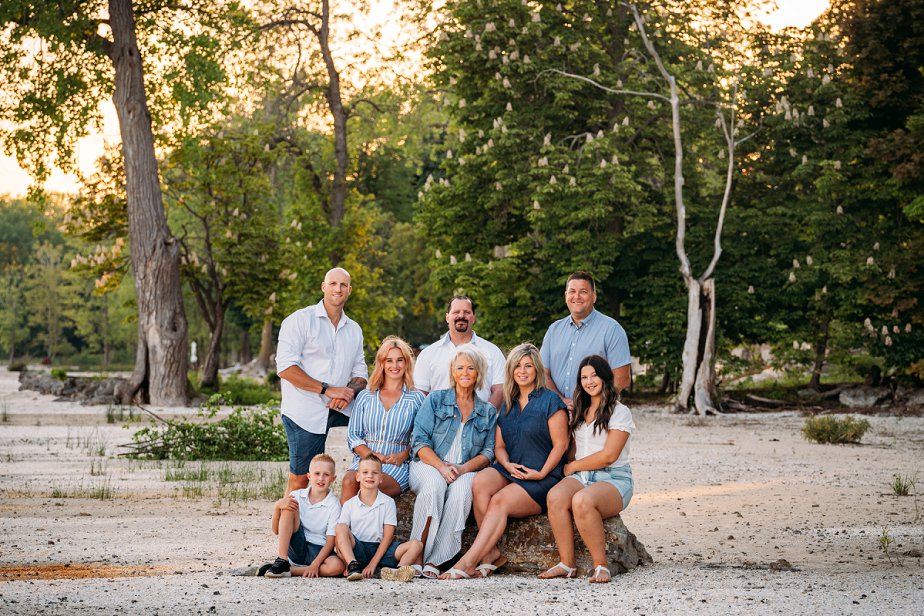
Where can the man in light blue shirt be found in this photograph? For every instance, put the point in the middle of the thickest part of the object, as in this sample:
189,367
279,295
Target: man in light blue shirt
583,332
320,363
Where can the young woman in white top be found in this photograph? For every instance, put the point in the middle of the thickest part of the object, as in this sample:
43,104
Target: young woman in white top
598,478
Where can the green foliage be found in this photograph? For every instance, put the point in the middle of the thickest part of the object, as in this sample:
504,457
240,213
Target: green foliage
246,434
59,373
830,429
244,392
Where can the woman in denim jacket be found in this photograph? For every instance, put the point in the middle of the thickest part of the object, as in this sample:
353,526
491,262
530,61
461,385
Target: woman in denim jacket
453,438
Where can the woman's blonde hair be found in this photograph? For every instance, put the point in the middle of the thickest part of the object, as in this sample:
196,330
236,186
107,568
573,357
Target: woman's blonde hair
474,355
511,389
378,371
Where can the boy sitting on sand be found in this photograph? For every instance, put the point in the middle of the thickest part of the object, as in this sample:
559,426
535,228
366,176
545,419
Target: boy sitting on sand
305,521
366,531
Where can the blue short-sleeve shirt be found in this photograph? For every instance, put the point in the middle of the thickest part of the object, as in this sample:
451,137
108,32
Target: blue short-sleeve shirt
566,344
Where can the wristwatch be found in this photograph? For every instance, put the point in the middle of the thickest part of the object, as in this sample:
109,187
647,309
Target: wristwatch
324,387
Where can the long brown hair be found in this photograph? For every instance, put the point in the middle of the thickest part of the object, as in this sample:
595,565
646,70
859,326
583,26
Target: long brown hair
582,399
378,372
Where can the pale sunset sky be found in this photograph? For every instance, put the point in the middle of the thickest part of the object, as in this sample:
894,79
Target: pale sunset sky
14,181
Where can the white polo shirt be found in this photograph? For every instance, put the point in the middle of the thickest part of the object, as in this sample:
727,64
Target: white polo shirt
307,339
368,523
431,372
317,520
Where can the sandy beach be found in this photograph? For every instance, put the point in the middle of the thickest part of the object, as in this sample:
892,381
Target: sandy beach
739,512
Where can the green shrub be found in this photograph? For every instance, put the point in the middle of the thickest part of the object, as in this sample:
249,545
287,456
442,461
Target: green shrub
59,373
830,429
245,392
246,434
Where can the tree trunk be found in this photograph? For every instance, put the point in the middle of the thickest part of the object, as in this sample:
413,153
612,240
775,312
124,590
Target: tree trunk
338,112
213,353
821,350
266,345
698,379
245,355
160,360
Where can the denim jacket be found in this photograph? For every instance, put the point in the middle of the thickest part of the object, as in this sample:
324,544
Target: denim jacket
438,420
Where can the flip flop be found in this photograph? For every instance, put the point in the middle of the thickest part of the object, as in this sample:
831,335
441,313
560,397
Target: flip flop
486,569
430,572
570,572
456,574
594,579
418,570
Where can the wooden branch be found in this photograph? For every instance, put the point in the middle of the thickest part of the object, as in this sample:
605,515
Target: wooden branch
605,88
680,244
726,197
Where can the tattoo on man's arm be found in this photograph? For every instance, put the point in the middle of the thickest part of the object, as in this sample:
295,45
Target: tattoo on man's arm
357,384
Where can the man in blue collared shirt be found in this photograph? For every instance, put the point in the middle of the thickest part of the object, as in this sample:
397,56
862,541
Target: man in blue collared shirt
320,363
583,332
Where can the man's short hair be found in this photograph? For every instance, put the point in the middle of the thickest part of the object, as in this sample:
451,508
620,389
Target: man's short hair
323,457
581,275
462,297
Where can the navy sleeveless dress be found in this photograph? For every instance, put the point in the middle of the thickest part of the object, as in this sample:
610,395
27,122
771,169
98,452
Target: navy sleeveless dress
526,436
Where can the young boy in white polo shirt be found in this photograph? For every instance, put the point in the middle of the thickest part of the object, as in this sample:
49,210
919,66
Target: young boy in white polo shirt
366,531
306,521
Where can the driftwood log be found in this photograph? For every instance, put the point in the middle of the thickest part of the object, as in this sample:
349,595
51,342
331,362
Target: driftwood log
530,548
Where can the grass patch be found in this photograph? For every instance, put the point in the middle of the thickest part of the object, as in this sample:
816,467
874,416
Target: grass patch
117,413
903,485
228,482
100,490
92,443
244,392
830,429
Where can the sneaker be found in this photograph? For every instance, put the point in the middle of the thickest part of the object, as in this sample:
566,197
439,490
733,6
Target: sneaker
263,569
354,571
401,574
279,569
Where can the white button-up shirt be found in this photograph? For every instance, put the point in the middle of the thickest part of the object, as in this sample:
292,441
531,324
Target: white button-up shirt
431,372
308,339
317,520
367,523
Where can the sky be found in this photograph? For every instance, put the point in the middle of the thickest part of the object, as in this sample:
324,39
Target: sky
14,181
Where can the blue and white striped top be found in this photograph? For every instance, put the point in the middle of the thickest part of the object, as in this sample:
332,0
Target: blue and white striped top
384,431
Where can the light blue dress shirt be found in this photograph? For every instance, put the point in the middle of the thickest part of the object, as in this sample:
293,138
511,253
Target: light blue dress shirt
566,344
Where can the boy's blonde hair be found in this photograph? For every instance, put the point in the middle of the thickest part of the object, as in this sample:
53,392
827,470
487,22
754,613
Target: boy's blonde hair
370,457
322,457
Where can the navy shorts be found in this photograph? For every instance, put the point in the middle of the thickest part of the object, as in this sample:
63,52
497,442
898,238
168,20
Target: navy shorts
301,551
363,551
304,445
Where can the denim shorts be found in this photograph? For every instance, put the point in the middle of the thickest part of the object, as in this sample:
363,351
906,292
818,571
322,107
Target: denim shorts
301,551
619,477
304,445
363,551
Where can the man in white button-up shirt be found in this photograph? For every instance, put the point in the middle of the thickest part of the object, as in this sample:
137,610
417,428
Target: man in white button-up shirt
431,371
320,362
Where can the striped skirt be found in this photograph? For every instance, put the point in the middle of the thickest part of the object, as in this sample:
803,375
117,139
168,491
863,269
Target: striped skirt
446,506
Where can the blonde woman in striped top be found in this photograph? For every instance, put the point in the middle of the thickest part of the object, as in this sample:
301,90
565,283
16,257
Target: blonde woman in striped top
383,418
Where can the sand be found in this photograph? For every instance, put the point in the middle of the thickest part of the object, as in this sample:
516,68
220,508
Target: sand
740,513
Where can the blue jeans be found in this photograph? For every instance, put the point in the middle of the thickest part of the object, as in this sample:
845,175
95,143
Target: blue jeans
304,445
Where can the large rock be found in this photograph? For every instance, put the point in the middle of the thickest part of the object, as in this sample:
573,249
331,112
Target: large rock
864,396
87,390
530,548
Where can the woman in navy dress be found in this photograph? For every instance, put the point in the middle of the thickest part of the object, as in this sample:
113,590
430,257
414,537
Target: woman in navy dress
530,443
